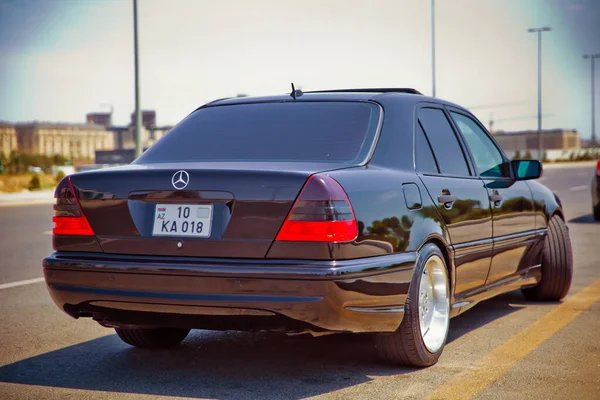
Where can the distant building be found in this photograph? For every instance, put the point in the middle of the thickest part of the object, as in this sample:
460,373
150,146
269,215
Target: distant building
148,118
103,119
121,135
81,141
74,141
125,136
552,139
8,138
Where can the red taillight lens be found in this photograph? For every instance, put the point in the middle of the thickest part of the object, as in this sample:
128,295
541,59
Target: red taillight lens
68,216
322,213
598,168
72,226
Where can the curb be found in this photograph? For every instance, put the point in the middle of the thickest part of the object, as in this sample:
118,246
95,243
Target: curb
26,198
565,165
15,203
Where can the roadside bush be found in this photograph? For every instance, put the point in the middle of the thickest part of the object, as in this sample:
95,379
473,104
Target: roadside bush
517,155
586,156
59,176
17,163
35,183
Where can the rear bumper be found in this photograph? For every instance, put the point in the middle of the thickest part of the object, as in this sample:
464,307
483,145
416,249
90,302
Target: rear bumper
363,295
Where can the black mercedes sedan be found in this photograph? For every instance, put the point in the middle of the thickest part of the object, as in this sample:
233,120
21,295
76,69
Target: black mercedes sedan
374,211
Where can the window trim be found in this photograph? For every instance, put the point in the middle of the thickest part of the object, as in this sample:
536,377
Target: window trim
441,107
465,113
437,165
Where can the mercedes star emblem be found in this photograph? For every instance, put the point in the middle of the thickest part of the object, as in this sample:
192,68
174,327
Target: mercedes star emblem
180,180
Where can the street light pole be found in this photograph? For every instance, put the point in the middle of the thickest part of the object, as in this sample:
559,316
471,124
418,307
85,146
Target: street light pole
539,32
433,46
592,57
138,117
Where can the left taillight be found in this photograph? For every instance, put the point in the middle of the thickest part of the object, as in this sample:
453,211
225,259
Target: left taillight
68,216
598,168
322,213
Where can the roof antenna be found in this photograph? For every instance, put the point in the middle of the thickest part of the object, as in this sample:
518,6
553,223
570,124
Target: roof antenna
295,93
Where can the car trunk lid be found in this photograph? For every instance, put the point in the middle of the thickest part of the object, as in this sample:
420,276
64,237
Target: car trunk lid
243,203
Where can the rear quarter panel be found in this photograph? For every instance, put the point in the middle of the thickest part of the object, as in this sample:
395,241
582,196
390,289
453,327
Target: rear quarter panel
386,225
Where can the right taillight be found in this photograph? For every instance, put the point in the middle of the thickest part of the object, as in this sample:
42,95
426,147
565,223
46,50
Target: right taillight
322,213
68,216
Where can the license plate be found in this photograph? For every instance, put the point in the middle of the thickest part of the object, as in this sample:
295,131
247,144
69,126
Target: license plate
191,220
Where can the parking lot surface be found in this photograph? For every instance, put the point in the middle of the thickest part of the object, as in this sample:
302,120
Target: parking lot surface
504,348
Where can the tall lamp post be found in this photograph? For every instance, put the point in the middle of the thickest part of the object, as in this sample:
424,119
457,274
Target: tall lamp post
539,32
138,117
433,46
592,57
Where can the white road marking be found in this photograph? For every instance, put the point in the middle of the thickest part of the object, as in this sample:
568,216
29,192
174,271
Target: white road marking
21,283
575,188
47,232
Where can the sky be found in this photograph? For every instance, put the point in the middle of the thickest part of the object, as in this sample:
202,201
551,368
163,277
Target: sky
60,59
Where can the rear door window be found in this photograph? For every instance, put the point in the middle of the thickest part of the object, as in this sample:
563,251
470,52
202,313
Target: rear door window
425,160
337,132
446,148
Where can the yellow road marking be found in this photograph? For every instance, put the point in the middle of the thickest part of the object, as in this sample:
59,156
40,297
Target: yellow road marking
495,364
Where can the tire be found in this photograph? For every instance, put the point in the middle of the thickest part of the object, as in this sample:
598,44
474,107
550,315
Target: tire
557,265
407,345
596,212
152,338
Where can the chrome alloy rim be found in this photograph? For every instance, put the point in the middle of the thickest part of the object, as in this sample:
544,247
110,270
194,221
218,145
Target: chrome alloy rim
434,304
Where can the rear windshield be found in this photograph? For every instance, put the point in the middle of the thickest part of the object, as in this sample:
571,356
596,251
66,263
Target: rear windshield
292,131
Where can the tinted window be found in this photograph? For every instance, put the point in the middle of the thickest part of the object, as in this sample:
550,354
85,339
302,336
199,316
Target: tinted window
446,148
425,160
488,159
291,131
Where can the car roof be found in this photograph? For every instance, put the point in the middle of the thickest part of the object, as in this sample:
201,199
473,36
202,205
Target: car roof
405,95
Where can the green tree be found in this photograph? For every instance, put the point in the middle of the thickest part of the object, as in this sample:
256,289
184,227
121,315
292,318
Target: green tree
527,155
15,163
58,159
517,155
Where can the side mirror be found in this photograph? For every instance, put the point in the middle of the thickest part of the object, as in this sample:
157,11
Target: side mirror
527,169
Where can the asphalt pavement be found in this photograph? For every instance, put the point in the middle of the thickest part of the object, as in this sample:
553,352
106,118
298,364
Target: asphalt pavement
504,348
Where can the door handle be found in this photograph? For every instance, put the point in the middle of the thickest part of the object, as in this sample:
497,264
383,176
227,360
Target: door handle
446,199
496,199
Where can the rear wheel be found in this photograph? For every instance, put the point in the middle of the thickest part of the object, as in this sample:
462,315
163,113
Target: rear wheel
152,338
420,339
557,265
